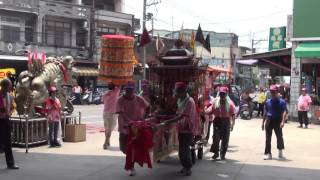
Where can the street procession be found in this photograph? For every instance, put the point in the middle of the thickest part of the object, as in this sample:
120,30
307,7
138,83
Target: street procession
90,89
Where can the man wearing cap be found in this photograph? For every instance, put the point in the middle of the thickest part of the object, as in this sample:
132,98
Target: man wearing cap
187,126
303,106
130,107
274,119
53,112
224,111
110,117
6,107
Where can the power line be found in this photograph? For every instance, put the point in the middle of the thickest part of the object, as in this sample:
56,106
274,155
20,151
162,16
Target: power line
243,20
192,13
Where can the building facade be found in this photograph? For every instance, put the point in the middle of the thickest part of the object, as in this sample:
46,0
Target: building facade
305,61
60,28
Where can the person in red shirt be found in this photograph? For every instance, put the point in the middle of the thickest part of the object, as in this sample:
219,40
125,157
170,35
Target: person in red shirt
224,111
110,117
53,112
130,107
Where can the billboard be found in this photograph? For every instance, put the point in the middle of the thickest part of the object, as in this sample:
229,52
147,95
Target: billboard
277,38
306,22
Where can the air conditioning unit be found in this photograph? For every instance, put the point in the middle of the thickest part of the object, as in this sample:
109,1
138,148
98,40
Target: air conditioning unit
11,48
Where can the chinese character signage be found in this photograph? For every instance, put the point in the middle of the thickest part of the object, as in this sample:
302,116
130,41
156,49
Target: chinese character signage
277,39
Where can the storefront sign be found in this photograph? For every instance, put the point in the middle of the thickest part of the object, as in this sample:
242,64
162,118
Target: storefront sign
277,38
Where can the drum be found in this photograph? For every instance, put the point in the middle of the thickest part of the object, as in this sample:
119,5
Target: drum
117,59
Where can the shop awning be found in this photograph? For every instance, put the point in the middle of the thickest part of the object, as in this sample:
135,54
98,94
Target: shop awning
307,50
85,71
249,62
218,69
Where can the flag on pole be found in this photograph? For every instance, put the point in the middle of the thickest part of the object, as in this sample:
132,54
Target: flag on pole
159,45
199,36
207,43
181,34
192,41
145,38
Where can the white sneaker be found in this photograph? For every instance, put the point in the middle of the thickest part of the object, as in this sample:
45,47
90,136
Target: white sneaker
267,157
132,172
280,155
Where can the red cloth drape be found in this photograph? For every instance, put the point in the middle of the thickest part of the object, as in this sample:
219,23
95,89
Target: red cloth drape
140,142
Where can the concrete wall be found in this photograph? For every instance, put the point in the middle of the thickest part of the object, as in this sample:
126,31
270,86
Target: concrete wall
119,5
295,81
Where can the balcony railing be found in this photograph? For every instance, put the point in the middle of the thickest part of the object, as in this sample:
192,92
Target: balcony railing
50,39
18,5
111,16
64,9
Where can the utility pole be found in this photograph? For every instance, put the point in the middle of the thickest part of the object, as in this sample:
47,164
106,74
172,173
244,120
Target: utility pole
92,30
144,47
144,20
255,42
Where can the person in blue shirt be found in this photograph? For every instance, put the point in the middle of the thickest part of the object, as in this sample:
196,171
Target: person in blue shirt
274,119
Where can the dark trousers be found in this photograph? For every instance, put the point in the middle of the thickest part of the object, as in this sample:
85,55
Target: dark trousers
303,118
78,98
185,141
209,128
261,109
273,124
53,132
221,132
5,140
123,140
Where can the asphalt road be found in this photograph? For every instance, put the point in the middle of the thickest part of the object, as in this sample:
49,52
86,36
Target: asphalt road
88,161
90,114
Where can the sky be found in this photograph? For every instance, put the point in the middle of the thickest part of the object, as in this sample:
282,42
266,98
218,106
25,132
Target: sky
249,19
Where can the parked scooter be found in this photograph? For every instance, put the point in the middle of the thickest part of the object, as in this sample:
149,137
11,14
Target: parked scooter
92,98
245,111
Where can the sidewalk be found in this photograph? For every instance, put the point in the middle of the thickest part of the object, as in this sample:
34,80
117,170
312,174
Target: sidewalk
88,161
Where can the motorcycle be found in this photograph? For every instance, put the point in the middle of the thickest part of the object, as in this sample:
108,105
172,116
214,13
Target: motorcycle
92,98
245,111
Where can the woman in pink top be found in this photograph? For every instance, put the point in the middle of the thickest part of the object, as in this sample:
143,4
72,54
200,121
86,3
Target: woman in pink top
110,117
53,112
303,106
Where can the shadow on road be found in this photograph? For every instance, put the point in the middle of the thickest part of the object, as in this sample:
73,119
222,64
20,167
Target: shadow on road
36,166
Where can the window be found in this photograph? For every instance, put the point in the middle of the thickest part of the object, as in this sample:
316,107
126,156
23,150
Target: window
29,34
58,33
105,30
29,30
14,20
10,33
